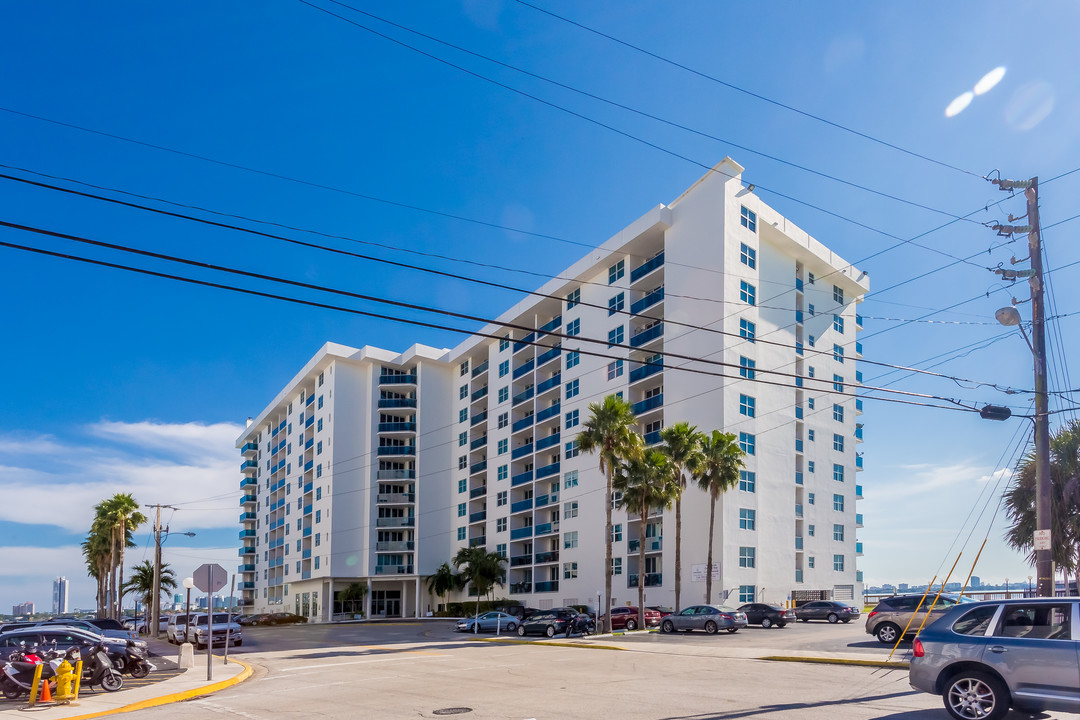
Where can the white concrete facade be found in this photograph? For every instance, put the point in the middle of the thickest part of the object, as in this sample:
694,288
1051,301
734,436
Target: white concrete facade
502,411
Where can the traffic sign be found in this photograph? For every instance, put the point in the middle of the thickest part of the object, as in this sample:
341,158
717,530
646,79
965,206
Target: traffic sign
1042,540
210,577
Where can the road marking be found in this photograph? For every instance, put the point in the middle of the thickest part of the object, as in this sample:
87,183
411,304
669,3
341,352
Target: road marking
308,669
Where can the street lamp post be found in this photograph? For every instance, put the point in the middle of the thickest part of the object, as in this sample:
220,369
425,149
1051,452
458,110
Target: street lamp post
1006,588
155,605
1029,586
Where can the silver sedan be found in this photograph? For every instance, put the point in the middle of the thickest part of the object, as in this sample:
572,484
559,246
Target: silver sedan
488,622
709,618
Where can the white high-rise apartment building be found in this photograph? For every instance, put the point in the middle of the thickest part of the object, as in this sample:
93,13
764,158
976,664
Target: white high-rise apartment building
60,595
715,310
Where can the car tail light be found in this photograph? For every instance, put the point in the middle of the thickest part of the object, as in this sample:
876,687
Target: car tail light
872,614
918,648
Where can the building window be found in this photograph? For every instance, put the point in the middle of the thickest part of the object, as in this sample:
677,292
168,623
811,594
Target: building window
747,593
461,533
461,510
810,403
318,539
810,435
571,389
838,533
747,519
318,517
316,562
746,405
573,298
463,414
614,369
810,309
570,479
570,510
616,532
573,448
746,368
616,303
837,353
748,443
573,327
502,472
320,379
570,540
504,394
838,563
748,219
838,323
500,525
838,472
810,530
810,562
500,498
746,329
572,359
838,503
615,337
462,438
616,271
569,570
746,557
502,446
747,292
504,420
319,425
504,343
810,498
747,481
838,412
838,294
504,368
747,256
320,407
810,466
463,369
462,462
571,419
500,550
616,566
810,340
462,485
838,442
838,383
463,392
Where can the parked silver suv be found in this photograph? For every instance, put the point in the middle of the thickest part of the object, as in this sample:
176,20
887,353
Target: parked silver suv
892,614
984,658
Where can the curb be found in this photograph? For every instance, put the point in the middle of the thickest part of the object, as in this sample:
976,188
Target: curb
838,661
547,643
174,697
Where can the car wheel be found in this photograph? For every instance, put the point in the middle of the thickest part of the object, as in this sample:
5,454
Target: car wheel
710,627
668,626
804,619
511,627
887,633
974,695
733,630
766,623
238,643
781,624
631,625
521,631
550,631
846,620
833,617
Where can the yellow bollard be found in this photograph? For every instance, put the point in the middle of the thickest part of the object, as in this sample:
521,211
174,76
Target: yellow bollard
35,685
64,680
78,680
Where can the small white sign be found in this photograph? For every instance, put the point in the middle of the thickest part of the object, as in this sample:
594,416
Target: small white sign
1042,539
697,572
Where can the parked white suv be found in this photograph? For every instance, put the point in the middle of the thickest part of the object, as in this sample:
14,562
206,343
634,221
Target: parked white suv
174,631
198,632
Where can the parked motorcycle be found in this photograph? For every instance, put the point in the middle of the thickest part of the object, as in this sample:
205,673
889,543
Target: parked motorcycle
17,675
98,669
133,661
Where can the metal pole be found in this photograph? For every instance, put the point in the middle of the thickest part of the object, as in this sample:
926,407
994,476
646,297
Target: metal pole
228,623
187,615
209,629
1044,564
155,603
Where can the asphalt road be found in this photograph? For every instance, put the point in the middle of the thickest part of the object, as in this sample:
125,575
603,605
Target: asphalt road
424,669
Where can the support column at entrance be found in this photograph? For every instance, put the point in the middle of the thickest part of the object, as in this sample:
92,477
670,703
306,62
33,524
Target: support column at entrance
418,599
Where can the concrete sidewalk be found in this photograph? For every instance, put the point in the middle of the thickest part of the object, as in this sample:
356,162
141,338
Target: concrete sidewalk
191,683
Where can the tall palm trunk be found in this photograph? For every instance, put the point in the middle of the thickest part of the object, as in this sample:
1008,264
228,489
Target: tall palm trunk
708,567
111,611
641,568
607,546
120,567
678,538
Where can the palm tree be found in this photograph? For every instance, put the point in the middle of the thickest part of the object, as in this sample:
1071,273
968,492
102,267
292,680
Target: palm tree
647,483
443,581
609,432
1064,502
121,515
718,472
96,551
141,582
682,445
481,569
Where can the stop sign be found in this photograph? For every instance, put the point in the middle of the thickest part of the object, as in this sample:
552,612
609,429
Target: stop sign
210,577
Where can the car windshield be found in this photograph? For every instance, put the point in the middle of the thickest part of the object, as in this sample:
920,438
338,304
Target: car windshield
219,618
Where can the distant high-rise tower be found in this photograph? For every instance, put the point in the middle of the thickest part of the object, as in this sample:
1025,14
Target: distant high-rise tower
60,596
26,608
976,582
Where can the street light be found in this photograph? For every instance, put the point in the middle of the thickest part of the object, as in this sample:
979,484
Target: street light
1029,586
155,607
1006,588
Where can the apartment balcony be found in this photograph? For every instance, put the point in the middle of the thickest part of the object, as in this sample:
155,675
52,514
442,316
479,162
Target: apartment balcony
798,446
521,505
524,342
798,316
798,576
250,466
651,545
393,569
547,470
652,438
521,532
526,394
307,509
549,326
248,482
545,500
798,478
648,404
646,336
394,427
548,356
247,601
520,588
407,379
798,381
521,451
547,557
545,529
395,522
524,368
549,441
478,541
246,568
858,520
479,394
395,475
858,322
858,548
858,492
478,418
859,432
478,516
651,298
858,406
651,580
798,412
798,542
310,400
310,464
309,444
309,422
395,546
393,498
250,450
306,555
478,467
551,383
393,403
480,369
798,511
478,443
478,492
246,551
246,585
858,576
798,284
858,376
798,348
549,586
858,463
640,373
306,532
248,499
390,450
858,349
548,412
521,478
519,560
647,267
523,423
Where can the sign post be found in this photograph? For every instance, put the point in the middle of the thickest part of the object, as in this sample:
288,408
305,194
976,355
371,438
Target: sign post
209,577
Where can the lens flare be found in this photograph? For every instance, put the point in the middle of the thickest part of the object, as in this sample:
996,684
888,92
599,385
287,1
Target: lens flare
958,105
989,80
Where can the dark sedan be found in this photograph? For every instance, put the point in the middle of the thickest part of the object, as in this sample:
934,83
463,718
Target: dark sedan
286,618
547,622
831,610
767,615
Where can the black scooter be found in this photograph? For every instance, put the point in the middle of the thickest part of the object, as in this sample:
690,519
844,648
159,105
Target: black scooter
98,669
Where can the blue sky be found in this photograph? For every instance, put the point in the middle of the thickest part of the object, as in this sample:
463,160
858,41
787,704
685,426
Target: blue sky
120,382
